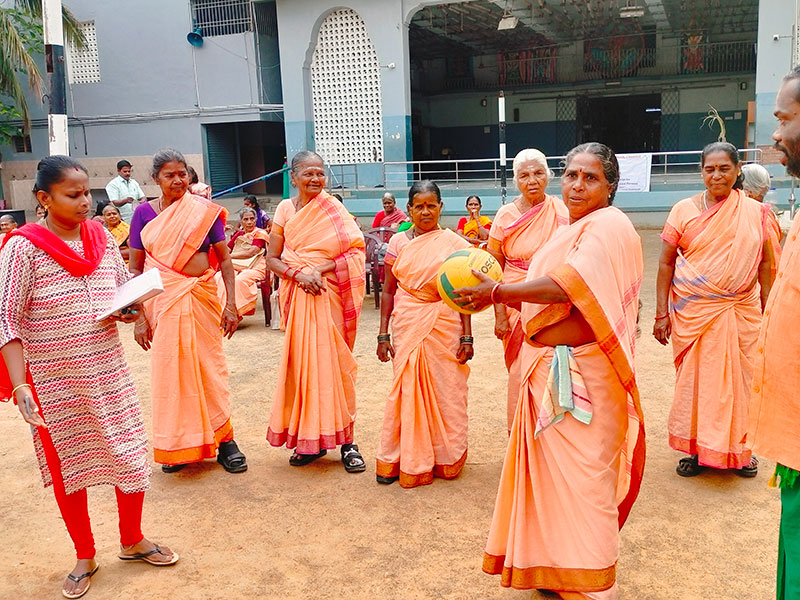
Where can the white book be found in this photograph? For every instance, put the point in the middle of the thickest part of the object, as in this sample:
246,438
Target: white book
138,289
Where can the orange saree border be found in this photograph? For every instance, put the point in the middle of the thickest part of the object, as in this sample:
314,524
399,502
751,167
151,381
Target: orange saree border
550,578
407,480
198,453
585,301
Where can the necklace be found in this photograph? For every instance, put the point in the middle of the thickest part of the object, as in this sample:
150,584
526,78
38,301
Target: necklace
705,200
415,233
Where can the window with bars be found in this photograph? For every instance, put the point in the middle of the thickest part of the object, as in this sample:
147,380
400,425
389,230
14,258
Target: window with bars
222,17
84,63
21,143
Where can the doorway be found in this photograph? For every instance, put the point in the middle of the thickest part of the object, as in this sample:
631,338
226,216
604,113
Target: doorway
626,123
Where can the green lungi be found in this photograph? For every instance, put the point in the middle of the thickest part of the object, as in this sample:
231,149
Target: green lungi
789,537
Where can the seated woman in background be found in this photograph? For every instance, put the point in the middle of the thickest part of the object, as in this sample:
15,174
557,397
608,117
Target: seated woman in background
262,218
197,187
390,216
248,247
474,229
118,228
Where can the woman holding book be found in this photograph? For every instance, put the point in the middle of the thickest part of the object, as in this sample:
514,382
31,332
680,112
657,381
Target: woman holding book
56,277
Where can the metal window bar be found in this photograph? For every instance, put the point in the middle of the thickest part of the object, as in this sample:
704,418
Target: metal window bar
222,17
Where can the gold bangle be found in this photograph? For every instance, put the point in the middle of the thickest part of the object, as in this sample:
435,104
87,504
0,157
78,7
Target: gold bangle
21,385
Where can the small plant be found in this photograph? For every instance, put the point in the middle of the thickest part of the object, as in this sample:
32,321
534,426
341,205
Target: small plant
711,118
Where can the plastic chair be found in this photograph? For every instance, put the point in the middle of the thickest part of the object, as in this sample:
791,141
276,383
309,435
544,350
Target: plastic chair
374,264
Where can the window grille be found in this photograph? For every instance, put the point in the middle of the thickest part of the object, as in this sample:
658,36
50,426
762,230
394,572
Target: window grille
346,92
21,143
84,63
222,17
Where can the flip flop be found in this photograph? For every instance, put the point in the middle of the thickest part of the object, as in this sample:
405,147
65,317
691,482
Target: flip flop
78,579
145,557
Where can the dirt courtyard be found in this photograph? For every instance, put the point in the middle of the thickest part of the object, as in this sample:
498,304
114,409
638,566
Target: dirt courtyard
318,532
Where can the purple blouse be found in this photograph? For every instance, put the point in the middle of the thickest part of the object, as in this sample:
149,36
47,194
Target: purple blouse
145,213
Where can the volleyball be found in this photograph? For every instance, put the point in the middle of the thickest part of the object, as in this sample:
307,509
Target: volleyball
456,272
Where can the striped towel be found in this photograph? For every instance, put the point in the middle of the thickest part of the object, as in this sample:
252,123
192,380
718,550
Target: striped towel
565,392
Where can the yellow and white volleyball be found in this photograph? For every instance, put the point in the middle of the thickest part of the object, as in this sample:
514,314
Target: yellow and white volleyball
456,272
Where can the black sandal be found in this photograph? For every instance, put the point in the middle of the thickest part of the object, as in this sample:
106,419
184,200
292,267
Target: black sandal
352,459
231,459
172,468
749,470
301,460
386,480
689,466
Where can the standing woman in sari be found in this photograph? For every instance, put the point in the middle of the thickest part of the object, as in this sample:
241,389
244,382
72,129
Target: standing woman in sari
177,234
715,272
474,229
248,247
576,449
66,369
425,422
519,230
318,251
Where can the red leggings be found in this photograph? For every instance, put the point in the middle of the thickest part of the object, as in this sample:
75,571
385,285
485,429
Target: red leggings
75,512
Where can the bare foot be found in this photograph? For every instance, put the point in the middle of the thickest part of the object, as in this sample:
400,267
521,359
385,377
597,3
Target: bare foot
149,552
74,588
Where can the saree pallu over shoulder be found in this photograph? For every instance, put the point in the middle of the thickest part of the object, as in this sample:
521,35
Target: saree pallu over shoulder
190,219
424,432
314,406
189,375
598,466
520,236
715,313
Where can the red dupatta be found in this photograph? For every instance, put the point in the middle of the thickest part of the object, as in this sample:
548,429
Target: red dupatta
94,241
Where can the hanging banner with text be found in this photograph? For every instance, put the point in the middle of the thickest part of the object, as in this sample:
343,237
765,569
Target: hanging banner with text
634,172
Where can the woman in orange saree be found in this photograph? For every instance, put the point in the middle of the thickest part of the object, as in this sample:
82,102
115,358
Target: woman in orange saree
519,230
191,400
715,273
425,421
318,250
576,449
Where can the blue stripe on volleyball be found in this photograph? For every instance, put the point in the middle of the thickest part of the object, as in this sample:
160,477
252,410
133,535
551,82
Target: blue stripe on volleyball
459,253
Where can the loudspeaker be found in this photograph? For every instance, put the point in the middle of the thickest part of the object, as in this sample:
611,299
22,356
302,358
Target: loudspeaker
195,38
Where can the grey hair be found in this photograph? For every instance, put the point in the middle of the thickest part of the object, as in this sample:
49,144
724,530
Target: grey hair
530,155
756,179
302,157
607,159
164,156
243,211
389,195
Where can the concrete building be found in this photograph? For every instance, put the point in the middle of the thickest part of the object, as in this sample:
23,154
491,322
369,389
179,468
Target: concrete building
374,85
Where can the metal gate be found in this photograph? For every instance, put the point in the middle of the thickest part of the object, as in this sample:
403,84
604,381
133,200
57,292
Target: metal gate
222,142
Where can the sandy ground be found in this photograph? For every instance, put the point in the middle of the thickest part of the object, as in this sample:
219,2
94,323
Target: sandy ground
319,532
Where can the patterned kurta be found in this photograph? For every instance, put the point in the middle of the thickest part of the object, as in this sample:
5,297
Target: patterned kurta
82,380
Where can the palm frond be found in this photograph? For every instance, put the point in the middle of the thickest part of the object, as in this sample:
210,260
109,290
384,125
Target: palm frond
72,26
14,58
